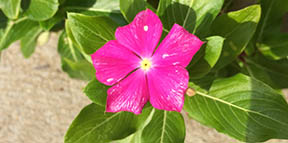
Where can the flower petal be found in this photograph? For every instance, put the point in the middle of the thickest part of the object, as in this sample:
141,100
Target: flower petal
142,35
130,94
178,47
113,62
167,86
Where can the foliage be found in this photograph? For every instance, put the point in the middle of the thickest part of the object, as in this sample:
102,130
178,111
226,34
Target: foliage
236,75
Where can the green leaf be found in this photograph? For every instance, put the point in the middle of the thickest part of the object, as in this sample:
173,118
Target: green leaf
195,16
165,127
130,8
50,23
93,124
206,58
152,5
274,73
41,10
67,49
10,8
72,38
242,107
204,82
272,13
81,69
109,8
97,92
29,41
73,61
237,28
271,37
15,31
250,48
145,118
3,23
91,33
213,49
275,46
149,120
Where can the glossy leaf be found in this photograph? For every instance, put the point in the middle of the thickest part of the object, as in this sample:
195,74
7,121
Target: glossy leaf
73,61
29,41
67,49
195,16
41,9
109,8
164,127
72,38
16,30
237,28
213,49
94,125
242,107
129,8
206,58
91,33
274,73
10,8
97,92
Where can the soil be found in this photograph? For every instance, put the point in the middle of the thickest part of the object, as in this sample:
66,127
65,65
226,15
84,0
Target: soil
38,101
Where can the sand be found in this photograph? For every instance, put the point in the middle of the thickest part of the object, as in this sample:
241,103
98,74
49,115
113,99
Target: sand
38,101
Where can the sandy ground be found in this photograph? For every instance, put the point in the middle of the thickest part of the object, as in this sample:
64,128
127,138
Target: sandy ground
38,101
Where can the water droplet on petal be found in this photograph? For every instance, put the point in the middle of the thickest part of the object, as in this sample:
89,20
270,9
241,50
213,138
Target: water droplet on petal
176,63
164,56
109,79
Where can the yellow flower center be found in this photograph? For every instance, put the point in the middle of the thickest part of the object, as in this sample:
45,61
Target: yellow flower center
145,64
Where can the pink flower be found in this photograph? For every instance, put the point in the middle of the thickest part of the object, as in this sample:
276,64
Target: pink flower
140,73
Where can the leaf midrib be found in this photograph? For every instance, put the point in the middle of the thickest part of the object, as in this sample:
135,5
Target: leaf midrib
188,13
99,125
265,21
235,106
6,32
32,39
163,127
238,25
264,68
97,34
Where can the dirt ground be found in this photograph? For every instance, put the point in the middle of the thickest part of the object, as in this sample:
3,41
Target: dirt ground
38,101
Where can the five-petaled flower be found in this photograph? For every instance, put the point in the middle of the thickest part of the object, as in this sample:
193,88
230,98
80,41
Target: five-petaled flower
139,72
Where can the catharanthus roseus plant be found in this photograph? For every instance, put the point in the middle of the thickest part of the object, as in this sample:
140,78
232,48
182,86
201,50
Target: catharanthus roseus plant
159,76
141,53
